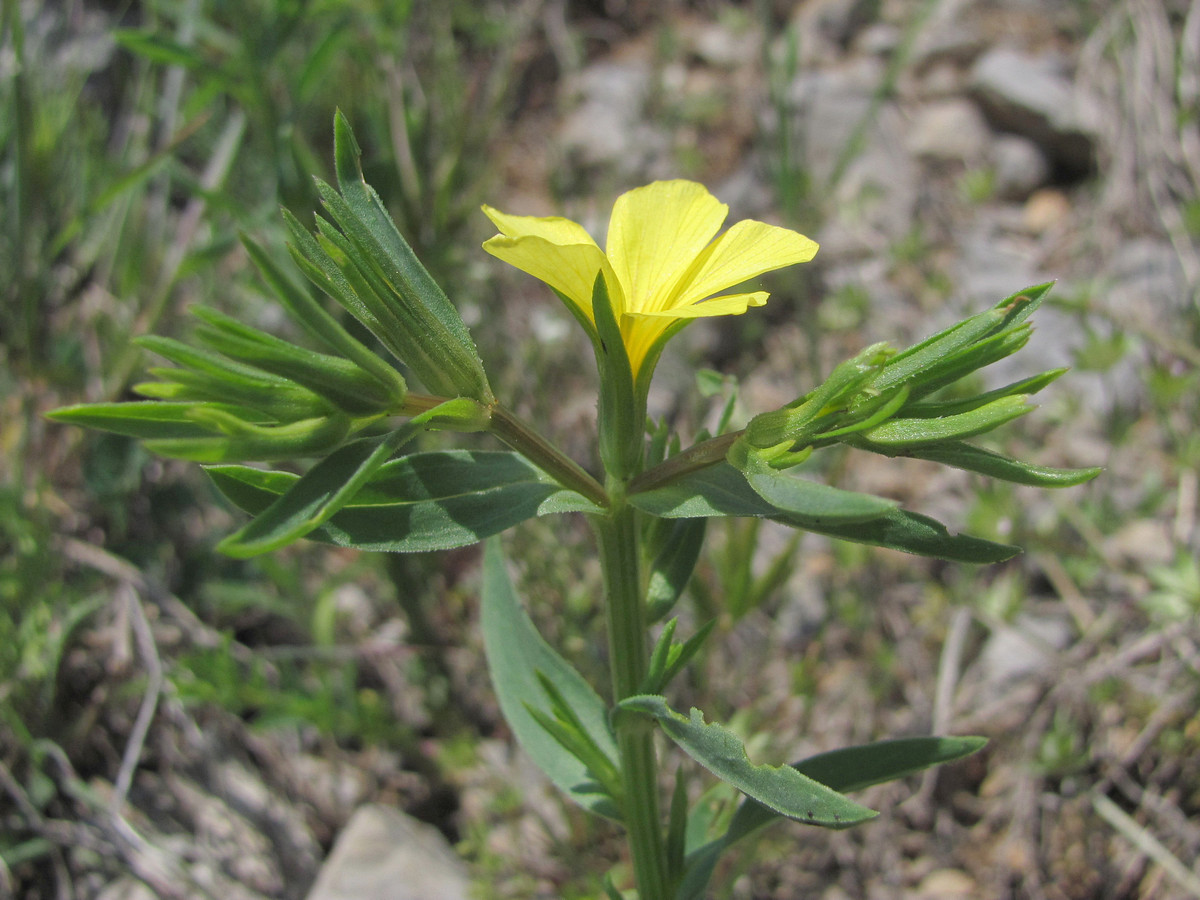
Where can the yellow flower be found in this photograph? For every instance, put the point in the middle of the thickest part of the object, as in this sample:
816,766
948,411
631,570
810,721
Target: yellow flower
662,266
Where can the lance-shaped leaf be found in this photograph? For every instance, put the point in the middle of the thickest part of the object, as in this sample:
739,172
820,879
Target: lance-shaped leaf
906,432
780,788
930,409
420,502
441,351
145,420
231,437
205,375
329,485
518,659
722,490
995,465
320,324
848,769
339,380
956,351
672,567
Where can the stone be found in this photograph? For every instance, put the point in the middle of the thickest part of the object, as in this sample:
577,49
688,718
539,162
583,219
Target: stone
1025,648
383,854
606,129
1020,167
1030,95
949,130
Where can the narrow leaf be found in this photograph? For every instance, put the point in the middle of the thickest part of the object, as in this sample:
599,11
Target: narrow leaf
906,433
856,768
995,465
849,769
319,323
673,566
516,654
781,788
320,493
722,490
420,502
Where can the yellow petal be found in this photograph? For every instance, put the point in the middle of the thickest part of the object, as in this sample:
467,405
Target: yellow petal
729,305
554,229
745,251
570,269
654,235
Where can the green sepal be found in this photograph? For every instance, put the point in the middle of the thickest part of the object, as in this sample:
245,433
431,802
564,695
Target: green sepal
722,490
340,381
446,361
673,565
930,409
319,324
800,420
317,495
239,440
781,788
995,465
276,400
144,420
845,770
969,345
518,660
424,501
897,434
621,415
564,726
211,377
668,658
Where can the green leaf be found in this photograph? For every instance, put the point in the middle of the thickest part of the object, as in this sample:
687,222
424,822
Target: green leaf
811,499
138,419
423,501
995,465
722,490
320,324
673,566
321,492
620,419
338,380
856,768
848,769
907,433
516,655
781,788
448,362
239,439
929,409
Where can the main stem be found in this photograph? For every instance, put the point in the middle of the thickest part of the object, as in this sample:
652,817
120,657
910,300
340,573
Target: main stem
628,646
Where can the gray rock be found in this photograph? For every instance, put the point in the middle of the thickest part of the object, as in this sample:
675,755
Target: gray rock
826,107
382,854
1020,167
949,130
606,128
1025,648
1031,96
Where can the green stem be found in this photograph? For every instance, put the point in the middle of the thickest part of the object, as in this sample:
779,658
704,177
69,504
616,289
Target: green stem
518,435
629,658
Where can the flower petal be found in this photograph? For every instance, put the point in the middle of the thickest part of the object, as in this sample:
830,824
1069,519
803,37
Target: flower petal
554,229
568,268
655,234
729,305
745,251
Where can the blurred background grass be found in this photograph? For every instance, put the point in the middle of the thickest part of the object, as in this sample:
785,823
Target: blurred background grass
137,139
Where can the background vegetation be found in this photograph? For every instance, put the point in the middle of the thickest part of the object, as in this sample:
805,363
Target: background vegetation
144,678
